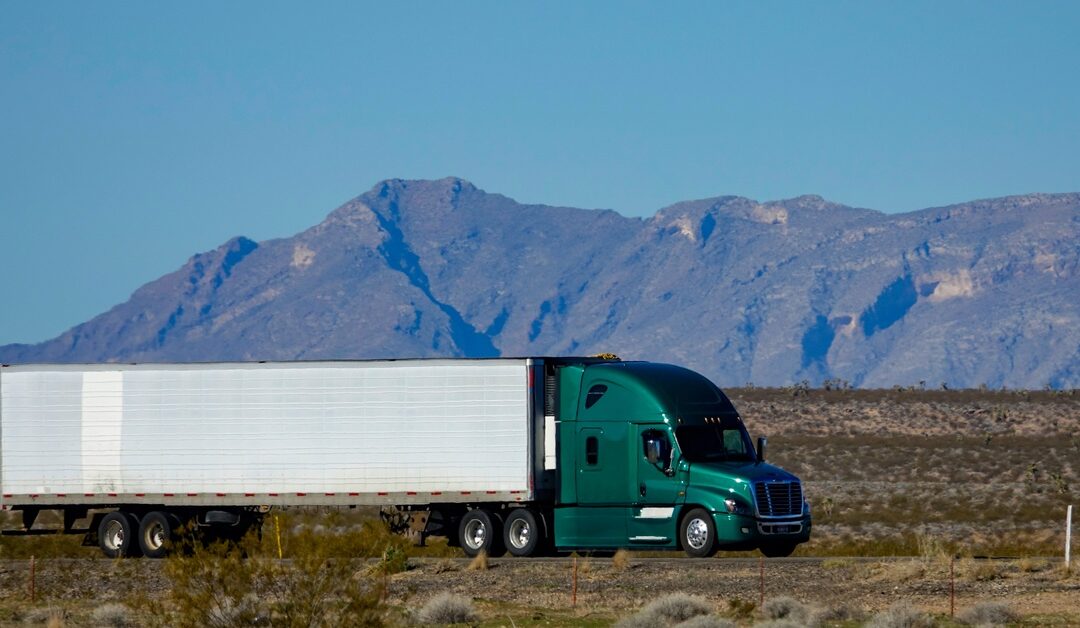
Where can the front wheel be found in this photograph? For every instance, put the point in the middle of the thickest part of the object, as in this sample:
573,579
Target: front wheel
481,531
778,550
698,533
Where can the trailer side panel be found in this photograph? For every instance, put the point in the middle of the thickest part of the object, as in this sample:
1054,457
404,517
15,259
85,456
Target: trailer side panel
275,433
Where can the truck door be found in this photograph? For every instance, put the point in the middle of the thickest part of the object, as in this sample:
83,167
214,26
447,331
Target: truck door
661,487
601,469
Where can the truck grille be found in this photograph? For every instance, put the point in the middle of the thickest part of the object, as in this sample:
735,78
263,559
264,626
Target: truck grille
778,499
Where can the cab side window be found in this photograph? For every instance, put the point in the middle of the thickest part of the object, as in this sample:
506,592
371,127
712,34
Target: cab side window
592,451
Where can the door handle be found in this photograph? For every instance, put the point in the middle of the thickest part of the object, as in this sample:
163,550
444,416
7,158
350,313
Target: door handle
641,488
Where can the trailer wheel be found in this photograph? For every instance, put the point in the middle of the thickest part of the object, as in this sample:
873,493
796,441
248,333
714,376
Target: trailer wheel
481,531
697,533
778,550
117,535
524,534
155,532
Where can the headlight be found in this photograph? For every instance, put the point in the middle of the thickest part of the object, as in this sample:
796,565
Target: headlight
734,507
806,507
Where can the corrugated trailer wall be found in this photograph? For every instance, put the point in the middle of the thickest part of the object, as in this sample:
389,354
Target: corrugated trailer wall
274,433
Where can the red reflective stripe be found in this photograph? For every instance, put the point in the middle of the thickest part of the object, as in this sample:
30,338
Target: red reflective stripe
192,494
353,494
301,494
329,494
436,492
410,492
221,494
88,494
466,492
140,494
170,495
61,495
491,492
515,492
272,494
7,495
531,377
249,494
112,494
381,493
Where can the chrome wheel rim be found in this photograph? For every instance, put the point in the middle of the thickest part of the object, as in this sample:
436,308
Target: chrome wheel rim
114,535
697,533
475,534
520,533
155,536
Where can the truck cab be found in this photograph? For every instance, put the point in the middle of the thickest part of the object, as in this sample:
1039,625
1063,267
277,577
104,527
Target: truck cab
655,456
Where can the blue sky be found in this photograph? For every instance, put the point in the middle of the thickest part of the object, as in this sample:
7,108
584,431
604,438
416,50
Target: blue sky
133,135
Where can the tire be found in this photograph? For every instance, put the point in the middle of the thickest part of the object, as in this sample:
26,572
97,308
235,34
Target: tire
156,534
481,531
523,534
118,535
778,550
697,533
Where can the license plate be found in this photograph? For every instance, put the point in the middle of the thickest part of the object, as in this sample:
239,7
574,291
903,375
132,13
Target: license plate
782,529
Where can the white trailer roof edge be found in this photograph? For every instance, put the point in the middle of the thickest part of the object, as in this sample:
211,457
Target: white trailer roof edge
265,364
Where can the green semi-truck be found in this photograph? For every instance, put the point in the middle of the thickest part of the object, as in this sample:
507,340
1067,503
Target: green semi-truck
519,455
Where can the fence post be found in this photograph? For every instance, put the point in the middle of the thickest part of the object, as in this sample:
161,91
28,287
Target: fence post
1068,535
573,589
761,587
952,586
33,580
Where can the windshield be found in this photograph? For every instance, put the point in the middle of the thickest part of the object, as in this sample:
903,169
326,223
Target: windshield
726,440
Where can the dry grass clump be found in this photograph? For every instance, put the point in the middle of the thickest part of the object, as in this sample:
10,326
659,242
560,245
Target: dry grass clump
786,608
988,614
479,562
445,566
667,610
902,571
781,623
979,570
622,560
113,616
739,608
447,608
900,616
51,617
1031,565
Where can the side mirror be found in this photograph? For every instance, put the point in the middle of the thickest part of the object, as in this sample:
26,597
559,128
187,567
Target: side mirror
652,450
761,442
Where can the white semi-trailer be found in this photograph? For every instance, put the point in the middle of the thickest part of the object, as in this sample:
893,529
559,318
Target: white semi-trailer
486,452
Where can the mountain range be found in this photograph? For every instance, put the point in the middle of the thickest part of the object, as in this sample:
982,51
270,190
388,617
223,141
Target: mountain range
769,293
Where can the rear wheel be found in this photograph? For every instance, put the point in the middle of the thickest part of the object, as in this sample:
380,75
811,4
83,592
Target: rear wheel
155,533
524,535
117,535
481,531
697,533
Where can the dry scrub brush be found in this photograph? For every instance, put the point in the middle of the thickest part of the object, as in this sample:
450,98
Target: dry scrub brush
668,610
988,614
900,616
447,608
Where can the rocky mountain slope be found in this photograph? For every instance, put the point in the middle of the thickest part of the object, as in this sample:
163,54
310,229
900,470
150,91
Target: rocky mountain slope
986,292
